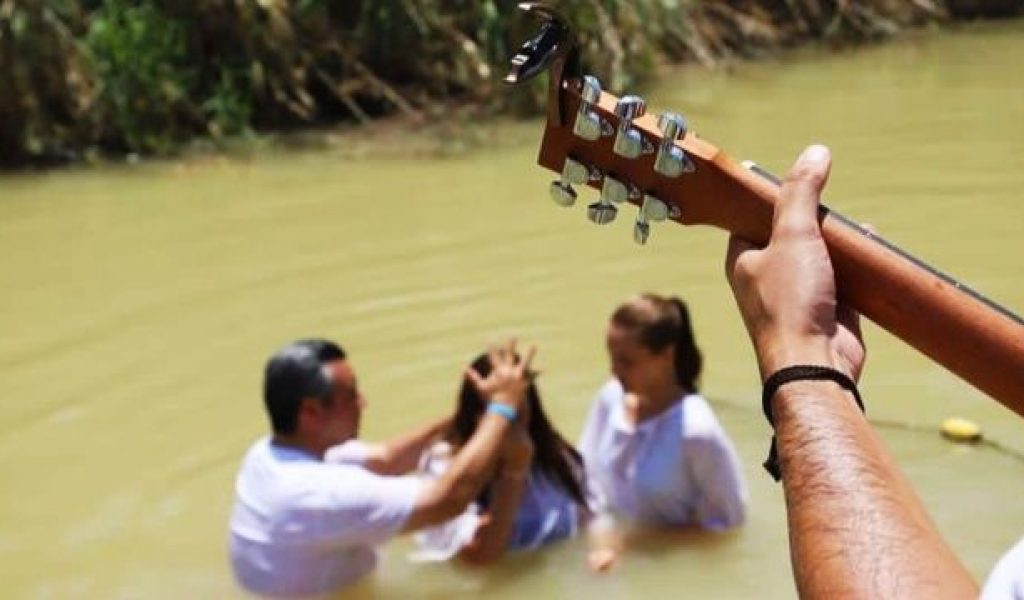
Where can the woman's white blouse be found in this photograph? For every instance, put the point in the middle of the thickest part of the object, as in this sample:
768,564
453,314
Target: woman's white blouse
546,513
676,468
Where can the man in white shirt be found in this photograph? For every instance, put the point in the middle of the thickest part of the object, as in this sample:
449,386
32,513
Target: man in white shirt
313,503
1006,581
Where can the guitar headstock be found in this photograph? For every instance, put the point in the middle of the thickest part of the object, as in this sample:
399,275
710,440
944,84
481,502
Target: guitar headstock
612,144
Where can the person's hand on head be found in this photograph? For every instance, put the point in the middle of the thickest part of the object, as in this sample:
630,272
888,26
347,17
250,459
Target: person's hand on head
786,291
509,377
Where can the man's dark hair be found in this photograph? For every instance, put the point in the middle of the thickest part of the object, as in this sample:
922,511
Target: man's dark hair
325,350
293,373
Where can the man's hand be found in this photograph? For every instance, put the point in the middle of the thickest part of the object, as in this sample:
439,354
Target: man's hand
856,527
509,376
786,291
474,465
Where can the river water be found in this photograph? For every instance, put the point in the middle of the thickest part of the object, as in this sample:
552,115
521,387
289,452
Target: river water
139,303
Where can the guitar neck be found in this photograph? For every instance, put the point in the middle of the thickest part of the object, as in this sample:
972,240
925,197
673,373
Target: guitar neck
955,326
657,163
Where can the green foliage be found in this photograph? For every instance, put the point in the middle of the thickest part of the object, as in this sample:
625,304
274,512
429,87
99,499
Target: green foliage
140,58
146,75
45,89
228,110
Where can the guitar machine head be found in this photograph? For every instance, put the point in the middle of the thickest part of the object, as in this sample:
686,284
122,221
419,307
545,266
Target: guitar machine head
592,137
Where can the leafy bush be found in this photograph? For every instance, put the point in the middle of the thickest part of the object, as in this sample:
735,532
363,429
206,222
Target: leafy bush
141,62
145,75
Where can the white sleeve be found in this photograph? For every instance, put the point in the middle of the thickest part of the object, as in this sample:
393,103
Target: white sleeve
366,508
716,469
1006,581
443,541
352,452
597,421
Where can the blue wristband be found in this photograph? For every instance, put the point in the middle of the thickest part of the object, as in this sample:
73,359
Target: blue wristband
502,409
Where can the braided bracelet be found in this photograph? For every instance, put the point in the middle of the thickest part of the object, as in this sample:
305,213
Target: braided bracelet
798,373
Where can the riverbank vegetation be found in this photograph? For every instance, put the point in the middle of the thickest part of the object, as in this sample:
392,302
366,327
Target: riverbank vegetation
91,77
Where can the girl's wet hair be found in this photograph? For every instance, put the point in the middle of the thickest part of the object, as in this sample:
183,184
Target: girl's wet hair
553,455
656,323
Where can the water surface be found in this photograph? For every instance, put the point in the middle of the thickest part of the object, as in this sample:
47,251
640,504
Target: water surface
140,302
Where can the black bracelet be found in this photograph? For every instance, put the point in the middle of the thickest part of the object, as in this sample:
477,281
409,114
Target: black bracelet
798,373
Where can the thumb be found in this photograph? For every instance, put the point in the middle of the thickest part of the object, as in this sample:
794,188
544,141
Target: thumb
796,212
475,380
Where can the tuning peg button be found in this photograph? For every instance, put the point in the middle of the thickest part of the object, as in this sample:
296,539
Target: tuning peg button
652,209
629,143
589,125
574,171
562,193
671,161
641,232
614,191
601,213
630,107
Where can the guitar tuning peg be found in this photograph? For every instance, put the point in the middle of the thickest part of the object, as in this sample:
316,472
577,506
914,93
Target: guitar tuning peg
562,193
601,212
652,209
589,125
641,232
629,143
671,161
613,192
573,172
630,107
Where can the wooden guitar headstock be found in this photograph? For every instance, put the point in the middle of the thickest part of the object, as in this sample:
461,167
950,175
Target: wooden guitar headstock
608,143
593,138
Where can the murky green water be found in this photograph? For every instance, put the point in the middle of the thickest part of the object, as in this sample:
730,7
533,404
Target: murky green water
139,303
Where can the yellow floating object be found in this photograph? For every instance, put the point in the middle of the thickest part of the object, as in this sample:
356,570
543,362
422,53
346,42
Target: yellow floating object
961,430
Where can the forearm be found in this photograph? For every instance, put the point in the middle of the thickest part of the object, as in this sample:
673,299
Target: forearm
474,463
493,536
856,526
448,495
401,454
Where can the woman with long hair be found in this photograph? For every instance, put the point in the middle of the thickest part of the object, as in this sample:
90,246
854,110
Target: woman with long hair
536,496
654,451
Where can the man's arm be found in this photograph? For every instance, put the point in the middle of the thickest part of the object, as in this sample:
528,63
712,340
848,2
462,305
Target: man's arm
448,495
856,527
401,454
496,526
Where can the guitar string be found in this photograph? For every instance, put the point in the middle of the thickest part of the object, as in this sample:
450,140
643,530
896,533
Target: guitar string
826,211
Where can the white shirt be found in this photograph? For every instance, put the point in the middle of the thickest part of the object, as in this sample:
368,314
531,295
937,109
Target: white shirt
675,468
302,526
1006,581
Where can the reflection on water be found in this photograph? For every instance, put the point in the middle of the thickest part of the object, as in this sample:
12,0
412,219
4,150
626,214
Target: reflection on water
139,304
